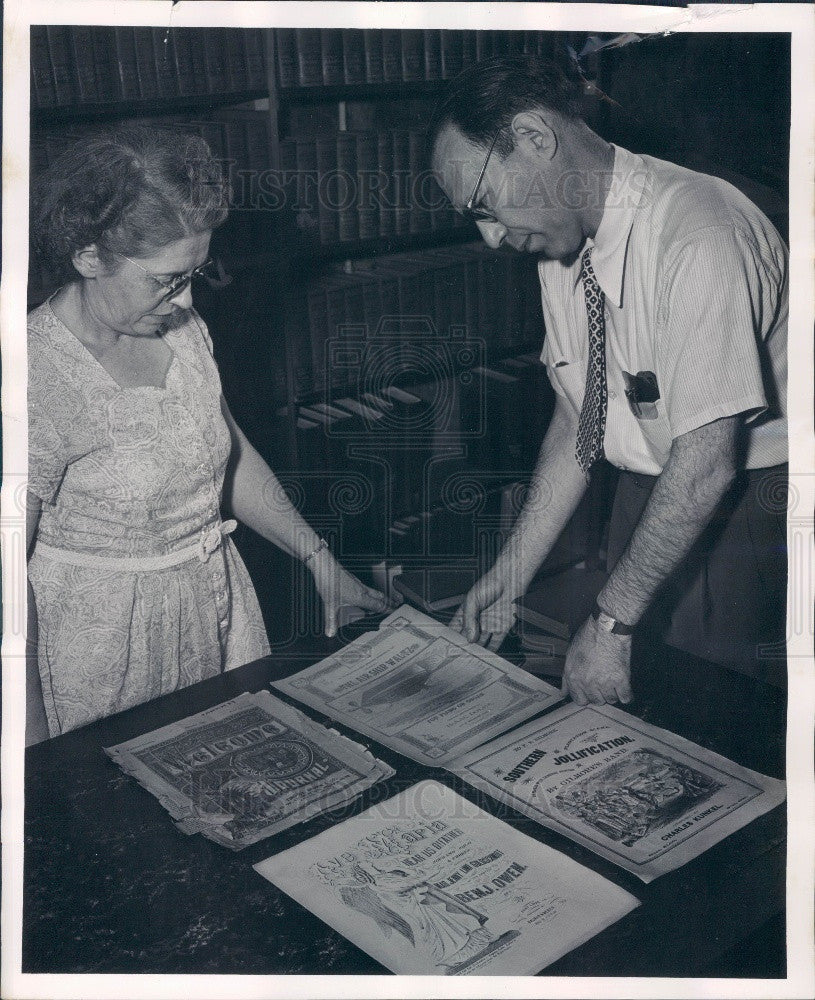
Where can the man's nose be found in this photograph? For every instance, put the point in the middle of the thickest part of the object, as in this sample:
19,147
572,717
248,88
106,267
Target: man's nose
493,233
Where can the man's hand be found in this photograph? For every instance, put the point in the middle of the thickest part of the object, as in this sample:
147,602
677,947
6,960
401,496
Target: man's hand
598,666
555,490
487,613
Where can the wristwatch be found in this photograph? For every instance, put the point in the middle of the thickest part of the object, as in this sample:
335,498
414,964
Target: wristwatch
609,624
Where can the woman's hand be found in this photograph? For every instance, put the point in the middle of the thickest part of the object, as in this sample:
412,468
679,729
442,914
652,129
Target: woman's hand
340,589
255,496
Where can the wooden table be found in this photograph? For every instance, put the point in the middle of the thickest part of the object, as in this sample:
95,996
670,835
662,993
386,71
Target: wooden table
112,887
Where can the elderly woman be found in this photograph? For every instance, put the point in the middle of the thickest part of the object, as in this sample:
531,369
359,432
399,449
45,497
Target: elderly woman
137,588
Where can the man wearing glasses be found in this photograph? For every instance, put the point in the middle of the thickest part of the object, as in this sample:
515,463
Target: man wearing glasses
665,305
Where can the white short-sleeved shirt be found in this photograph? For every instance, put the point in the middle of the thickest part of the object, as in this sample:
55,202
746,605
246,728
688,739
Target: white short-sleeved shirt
695,282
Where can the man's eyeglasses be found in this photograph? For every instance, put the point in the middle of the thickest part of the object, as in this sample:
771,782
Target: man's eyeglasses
469,210
177,284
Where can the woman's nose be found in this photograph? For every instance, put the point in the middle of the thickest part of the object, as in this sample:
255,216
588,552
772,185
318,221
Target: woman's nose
493,233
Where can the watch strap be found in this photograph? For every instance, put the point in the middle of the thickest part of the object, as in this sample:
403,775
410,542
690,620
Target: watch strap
610,624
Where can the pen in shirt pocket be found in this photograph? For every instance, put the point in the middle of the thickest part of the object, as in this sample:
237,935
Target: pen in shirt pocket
642,393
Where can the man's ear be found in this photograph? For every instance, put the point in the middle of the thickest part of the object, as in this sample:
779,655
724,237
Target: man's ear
531,129
88,262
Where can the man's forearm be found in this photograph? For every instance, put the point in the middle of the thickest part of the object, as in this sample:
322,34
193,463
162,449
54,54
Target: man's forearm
698,473
556,489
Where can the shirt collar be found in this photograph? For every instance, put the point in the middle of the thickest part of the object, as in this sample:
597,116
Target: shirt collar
611,240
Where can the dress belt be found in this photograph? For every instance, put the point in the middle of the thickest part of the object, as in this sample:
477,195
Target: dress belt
209,542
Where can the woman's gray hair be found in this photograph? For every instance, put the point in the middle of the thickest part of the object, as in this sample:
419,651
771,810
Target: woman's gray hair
129,189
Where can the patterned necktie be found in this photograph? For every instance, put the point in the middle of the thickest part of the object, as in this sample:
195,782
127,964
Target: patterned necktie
592,424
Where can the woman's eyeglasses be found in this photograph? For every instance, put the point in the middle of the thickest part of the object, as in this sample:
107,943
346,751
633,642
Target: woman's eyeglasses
177,284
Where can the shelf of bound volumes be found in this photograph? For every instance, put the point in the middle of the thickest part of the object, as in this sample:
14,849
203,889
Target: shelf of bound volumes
486,299
310,58
83,71
401,341
350,193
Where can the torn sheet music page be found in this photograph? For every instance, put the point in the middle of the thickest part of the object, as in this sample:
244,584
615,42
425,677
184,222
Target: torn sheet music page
248,768
421,689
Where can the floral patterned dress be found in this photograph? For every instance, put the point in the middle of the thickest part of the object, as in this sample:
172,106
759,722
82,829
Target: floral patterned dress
138,589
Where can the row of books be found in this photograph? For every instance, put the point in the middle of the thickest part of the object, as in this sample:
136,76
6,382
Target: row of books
312,57
340,186
395,314
359,185
239,137
91,64
97,64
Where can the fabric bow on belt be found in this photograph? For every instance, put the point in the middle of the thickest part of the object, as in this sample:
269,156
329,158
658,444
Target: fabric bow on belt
211,538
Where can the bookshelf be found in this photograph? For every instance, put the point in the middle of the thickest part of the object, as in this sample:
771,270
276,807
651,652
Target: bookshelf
336,83
76,68
51,117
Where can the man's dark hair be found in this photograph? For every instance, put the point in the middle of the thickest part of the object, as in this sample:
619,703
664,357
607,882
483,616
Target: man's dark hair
485,97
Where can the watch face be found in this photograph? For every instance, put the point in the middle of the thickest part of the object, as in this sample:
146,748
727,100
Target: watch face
605,622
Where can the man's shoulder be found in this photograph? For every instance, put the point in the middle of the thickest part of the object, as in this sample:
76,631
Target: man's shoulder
680,203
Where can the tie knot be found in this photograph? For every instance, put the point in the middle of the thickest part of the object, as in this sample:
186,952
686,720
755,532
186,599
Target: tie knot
591,286
586,269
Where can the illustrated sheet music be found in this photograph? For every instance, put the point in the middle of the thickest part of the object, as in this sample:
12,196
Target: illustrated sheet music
428,883
641,797
248,768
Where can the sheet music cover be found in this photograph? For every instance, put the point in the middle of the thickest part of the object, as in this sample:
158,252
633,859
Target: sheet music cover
428,883
642,797
248,768
421,689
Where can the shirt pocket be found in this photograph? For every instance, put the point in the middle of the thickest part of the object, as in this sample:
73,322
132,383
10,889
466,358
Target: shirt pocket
568,379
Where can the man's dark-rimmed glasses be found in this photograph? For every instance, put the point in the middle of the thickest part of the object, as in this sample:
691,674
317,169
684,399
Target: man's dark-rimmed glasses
469,210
